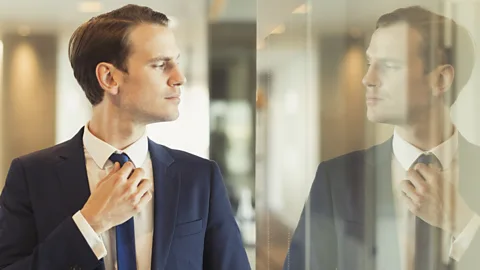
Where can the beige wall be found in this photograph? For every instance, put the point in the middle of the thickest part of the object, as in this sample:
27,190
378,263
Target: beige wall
28,108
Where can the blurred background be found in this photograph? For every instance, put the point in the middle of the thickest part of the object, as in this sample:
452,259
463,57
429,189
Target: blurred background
311,101
42,104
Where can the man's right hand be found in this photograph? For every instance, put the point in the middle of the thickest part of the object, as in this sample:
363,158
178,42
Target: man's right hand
117,197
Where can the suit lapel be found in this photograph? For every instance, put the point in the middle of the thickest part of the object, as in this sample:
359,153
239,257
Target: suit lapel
166,194
72,174
381,229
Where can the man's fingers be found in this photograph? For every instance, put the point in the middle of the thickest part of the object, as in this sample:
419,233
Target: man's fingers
428,172
418,182
126,170
137,176
144,187
409,190
412,206
143,201
116,167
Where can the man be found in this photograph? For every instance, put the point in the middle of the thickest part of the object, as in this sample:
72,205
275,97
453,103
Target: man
412,201
110,198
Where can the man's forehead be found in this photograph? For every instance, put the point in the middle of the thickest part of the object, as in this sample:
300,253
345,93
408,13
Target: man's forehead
395,40
151,39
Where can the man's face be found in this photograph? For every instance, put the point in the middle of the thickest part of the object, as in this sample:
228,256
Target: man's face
397,87
150,92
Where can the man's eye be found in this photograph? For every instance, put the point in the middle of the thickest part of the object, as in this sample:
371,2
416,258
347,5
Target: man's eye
161,65
392,66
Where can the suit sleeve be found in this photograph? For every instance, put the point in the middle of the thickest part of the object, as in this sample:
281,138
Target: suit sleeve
314,242
20,248
223,243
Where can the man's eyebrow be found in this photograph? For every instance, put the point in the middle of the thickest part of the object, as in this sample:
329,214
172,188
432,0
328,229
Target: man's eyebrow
391,60
163,58
385,59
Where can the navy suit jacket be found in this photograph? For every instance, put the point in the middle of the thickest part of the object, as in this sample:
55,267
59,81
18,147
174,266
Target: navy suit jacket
348,198
194,227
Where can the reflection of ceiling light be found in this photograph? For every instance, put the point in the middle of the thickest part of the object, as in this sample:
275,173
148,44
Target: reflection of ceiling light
24,30
279,30
302,9
216,9
89,6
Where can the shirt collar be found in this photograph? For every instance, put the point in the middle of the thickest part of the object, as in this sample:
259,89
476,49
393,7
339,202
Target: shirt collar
101,151
406,153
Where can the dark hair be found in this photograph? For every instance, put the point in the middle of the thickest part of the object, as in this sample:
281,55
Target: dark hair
105,39
434,50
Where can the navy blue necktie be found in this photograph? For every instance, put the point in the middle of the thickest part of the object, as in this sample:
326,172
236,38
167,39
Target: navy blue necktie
428,238
125,233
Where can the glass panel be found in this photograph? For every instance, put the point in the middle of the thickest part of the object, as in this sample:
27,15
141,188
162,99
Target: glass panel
330,169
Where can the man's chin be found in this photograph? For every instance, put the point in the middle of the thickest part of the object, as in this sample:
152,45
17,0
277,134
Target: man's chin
383,119
163,118
376,118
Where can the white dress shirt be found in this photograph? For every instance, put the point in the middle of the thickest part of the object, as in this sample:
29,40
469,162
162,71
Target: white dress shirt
404,155
97,153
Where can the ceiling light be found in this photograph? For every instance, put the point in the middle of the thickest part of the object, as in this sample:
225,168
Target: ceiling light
279,29
24,30
89,6
302,9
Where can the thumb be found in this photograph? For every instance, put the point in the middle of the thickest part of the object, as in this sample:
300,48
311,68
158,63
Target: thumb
115,169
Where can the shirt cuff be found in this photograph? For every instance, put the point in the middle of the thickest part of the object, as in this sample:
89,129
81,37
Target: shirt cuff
92,238
462,242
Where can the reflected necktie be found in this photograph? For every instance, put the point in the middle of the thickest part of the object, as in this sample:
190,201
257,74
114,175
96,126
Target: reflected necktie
428,238
125,233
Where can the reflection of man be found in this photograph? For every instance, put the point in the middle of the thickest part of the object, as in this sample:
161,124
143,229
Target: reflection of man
384,208
219,143
110,198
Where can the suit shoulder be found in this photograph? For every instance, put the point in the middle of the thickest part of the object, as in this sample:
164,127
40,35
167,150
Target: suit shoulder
358,157
354,156
185,157
42,155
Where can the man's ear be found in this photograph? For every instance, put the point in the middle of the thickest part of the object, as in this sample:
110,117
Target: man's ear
107,77
442,79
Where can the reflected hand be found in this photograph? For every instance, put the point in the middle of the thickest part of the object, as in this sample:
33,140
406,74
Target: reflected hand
431,197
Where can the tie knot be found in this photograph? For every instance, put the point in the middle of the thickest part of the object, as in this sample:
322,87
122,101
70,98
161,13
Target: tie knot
428,159
120,158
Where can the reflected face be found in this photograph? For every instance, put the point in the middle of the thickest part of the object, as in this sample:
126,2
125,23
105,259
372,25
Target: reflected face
150,92
397,87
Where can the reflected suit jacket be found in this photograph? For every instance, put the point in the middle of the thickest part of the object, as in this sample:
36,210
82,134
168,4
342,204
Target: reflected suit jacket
350,194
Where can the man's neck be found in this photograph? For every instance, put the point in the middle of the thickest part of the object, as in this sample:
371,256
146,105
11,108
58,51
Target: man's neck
428,132
116,129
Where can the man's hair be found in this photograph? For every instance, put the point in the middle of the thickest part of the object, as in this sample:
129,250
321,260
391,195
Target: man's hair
105,38
434,50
